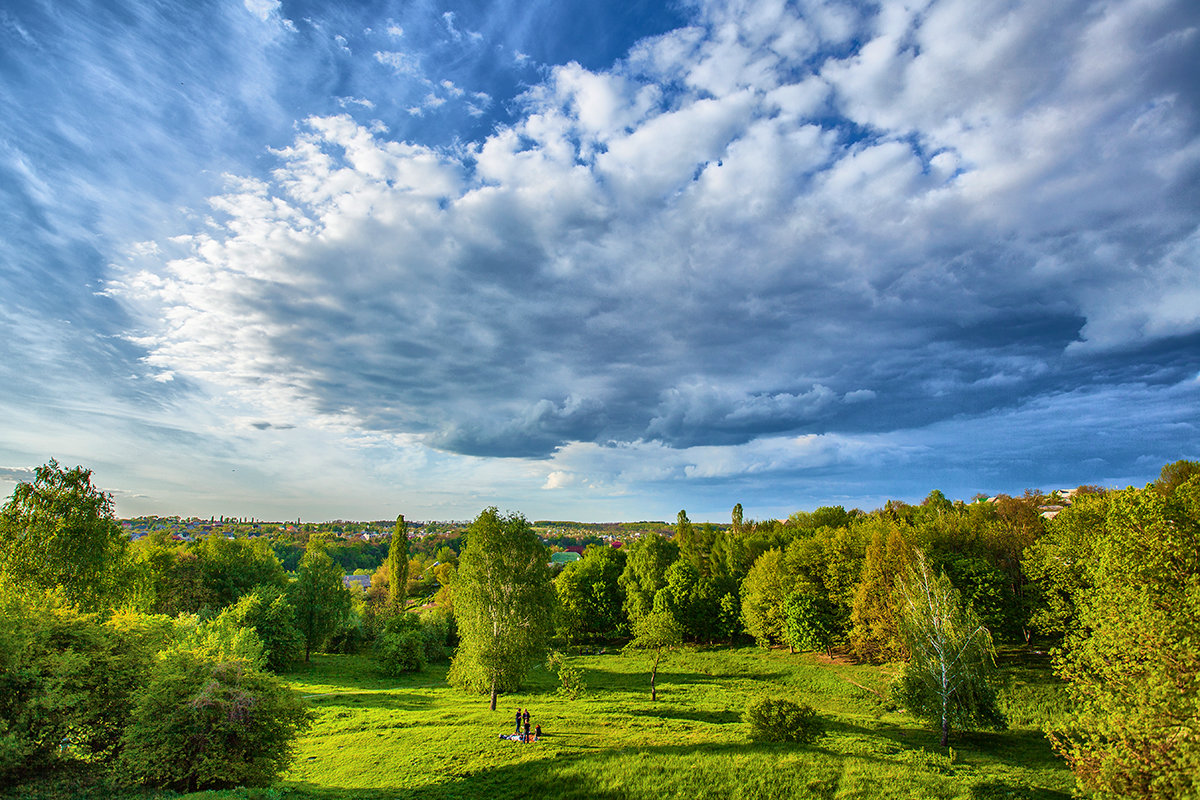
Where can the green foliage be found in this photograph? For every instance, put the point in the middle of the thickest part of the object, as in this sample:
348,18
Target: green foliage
504,604
232,568
59,534
270,615
779,719
875,633
590,597
657,631
397,567
766,587
321,601
201,724
570,677
1132,661
808,621
1057,564
950,676
645,569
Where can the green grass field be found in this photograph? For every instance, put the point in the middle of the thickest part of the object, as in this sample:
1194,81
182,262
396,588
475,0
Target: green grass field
416,737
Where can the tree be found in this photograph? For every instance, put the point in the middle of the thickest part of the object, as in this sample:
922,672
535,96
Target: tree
1130,659
766,587
808,621
657,631
948,678
59,533
232,568
590,596
268,613
645,567
504,603
397,562
874,633
202,724
321,600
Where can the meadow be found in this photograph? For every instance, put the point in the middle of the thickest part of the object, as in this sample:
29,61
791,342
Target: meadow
416,737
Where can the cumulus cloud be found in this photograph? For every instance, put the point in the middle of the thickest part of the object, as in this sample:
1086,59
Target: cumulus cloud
774,233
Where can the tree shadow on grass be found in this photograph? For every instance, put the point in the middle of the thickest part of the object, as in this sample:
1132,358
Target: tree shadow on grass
387,701
714,717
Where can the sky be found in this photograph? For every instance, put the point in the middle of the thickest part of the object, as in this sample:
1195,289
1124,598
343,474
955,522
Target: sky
596,261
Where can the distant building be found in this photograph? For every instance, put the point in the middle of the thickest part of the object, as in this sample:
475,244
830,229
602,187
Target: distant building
361,581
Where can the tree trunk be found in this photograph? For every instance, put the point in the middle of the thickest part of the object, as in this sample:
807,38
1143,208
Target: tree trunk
494,693
653,675
945,730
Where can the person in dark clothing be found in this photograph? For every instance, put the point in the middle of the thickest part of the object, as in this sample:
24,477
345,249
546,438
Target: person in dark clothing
526,730
537,733
519,719
525,718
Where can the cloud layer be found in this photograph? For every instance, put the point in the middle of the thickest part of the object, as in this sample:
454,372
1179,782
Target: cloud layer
760,249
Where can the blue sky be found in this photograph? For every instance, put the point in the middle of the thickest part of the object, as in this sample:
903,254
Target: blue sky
596,261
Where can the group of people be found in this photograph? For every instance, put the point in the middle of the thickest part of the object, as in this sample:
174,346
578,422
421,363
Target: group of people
522,734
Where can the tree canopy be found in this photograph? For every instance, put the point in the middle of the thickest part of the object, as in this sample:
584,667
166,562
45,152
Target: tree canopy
504,602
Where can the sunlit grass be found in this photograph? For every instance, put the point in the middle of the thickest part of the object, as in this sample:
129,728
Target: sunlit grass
414,736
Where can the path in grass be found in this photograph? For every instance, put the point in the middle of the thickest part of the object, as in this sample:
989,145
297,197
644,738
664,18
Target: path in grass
415,737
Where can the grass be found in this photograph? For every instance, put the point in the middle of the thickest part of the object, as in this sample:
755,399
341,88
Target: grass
416,737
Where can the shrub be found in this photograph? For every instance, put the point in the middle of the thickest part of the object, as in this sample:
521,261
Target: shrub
400,647
778,719
267,611
570,677
202,723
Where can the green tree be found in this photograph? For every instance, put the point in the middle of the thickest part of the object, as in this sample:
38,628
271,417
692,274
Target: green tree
504,604
657,631
269,614
232,568
1131,658
808,621
201,724
645,569
59,533
397,562
321,600
766,587
590,597
949,677
875,632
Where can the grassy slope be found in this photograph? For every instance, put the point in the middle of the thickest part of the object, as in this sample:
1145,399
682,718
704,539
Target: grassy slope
415,737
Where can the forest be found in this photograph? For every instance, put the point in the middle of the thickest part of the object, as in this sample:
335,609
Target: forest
166,666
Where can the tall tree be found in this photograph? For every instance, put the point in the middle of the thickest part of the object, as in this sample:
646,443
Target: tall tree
59,533
736,519
1130,660
949,676
504,602
321,600
766,587
397,562
875,635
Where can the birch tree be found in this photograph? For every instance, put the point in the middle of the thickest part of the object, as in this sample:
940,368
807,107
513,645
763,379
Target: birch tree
504,602
948,678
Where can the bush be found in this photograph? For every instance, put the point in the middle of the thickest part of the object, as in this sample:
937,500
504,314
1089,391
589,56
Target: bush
202,724
400,647
267,611
777,719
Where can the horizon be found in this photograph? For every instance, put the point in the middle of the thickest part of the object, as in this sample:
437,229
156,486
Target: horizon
298,259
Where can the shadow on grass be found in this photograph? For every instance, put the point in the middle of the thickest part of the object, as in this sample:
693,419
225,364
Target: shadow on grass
398,700
714,717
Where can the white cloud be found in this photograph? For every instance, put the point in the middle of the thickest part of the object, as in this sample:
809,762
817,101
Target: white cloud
745,233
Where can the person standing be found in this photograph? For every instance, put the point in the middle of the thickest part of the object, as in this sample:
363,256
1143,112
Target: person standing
519,719
526,730
525,718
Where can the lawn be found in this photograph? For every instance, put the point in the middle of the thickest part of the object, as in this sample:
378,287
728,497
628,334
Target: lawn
416,737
